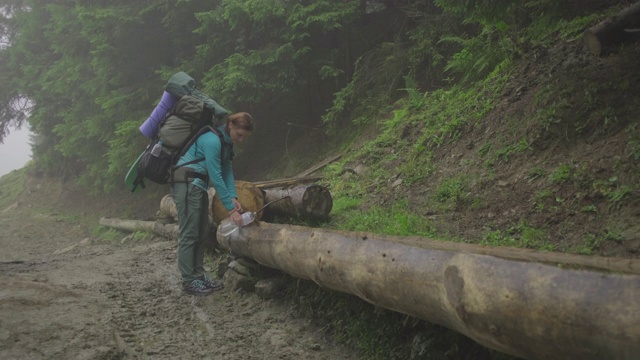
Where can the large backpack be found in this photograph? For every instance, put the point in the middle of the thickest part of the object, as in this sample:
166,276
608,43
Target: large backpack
188,119
181,84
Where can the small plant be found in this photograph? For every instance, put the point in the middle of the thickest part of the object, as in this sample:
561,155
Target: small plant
109,234
613,191
561,174
590,244
543,194
505,153
634,149
521,236
484,149
534,174
616,196
452,190
589,209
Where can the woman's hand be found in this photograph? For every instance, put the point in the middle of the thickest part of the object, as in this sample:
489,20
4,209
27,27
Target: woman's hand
238,206
236,217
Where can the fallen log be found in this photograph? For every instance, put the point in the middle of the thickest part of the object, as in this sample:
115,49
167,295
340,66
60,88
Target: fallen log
249,197
526,309
305,201
614,30
169,231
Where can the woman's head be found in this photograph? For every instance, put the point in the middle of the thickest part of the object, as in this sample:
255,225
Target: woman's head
239,126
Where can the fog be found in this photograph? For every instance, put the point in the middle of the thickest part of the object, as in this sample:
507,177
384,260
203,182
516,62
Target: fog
15,151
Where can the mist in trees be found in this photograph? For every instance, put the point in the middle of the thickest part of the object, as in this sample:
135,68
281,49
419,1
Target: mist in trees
91,71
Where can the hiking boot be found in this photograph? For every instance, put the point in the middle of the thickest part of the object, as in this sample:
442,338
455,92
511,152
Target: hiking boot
198,287
213,284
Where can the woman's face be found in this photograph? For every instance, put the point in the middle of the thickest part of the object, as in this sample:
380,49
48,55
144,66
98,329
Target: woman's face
238,134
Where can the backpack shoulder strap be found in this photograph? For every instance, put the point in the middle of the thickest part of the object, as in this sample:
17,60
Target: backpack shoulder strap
193,139
222,143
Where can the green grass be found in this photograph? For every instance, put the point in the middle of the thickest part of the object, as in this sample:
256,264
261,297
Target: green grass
520,236
561,174
396,220
11,185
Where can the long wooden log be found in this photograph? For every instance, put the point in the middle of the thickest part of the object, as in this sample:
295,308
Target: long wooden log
526,309
307,201
613,30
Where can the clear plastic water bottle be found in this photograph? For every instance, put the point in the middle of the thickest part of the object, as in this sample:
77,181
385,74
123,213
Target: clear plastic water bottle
227,227
248,217
157,148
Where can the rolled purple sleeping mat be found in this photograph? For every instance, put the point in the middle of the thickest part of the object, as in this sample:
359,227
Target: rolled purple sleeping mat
150,127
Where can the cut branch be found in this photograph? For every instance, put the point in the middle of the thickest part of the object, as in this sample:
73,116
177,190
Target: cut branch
286,182
319,166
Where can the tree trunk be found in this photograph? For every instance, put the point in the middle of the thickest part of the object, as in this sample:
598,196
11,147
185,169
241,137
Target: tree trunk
573,309
613,30
249,196
306,201
168,207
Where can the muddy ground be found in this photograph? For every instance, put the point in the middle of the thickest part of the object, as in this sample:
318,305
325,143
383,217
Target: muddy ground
66,293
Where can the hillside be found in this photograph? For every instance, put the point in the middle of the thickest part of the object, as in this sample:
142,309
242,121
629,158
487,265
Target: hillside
553,165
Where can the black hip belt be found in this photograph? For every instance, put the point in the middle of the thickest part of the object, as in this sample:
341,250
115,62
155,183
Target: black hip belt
186,175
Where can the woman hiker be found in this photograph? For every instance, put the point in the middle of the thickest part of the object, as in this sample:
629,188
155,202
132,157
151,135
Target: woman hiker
192,200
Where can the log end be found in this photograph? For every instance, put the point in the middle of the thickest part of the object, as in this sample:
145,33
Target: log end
317,202
592,42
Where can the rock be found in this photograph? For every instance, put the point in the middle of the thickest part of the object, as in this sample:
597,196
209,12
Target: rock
360,169
237,282
268,288
65,250
10,208
239,268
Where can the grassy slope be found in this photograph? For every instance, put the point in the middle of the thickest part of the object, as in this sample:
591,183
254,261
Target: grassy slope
542,154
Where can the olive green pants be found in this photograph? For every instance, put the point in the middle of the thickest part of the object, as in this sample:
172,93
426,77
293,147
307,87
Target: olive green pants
193,218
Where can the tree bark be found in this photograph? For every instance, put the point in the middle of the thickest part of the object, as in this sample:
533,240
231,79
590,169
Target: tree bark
306,201
575,309
613,30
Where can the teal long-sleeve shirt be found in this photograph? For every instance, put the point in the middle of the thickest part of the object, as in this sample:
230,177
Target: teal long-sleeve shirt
208,146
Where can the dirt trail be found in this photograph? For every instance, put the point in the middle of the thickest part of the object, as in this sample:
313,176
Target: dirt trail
67,295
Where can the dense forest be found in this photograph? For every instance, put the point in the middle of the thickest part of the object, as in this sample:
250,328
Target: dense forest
86,74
